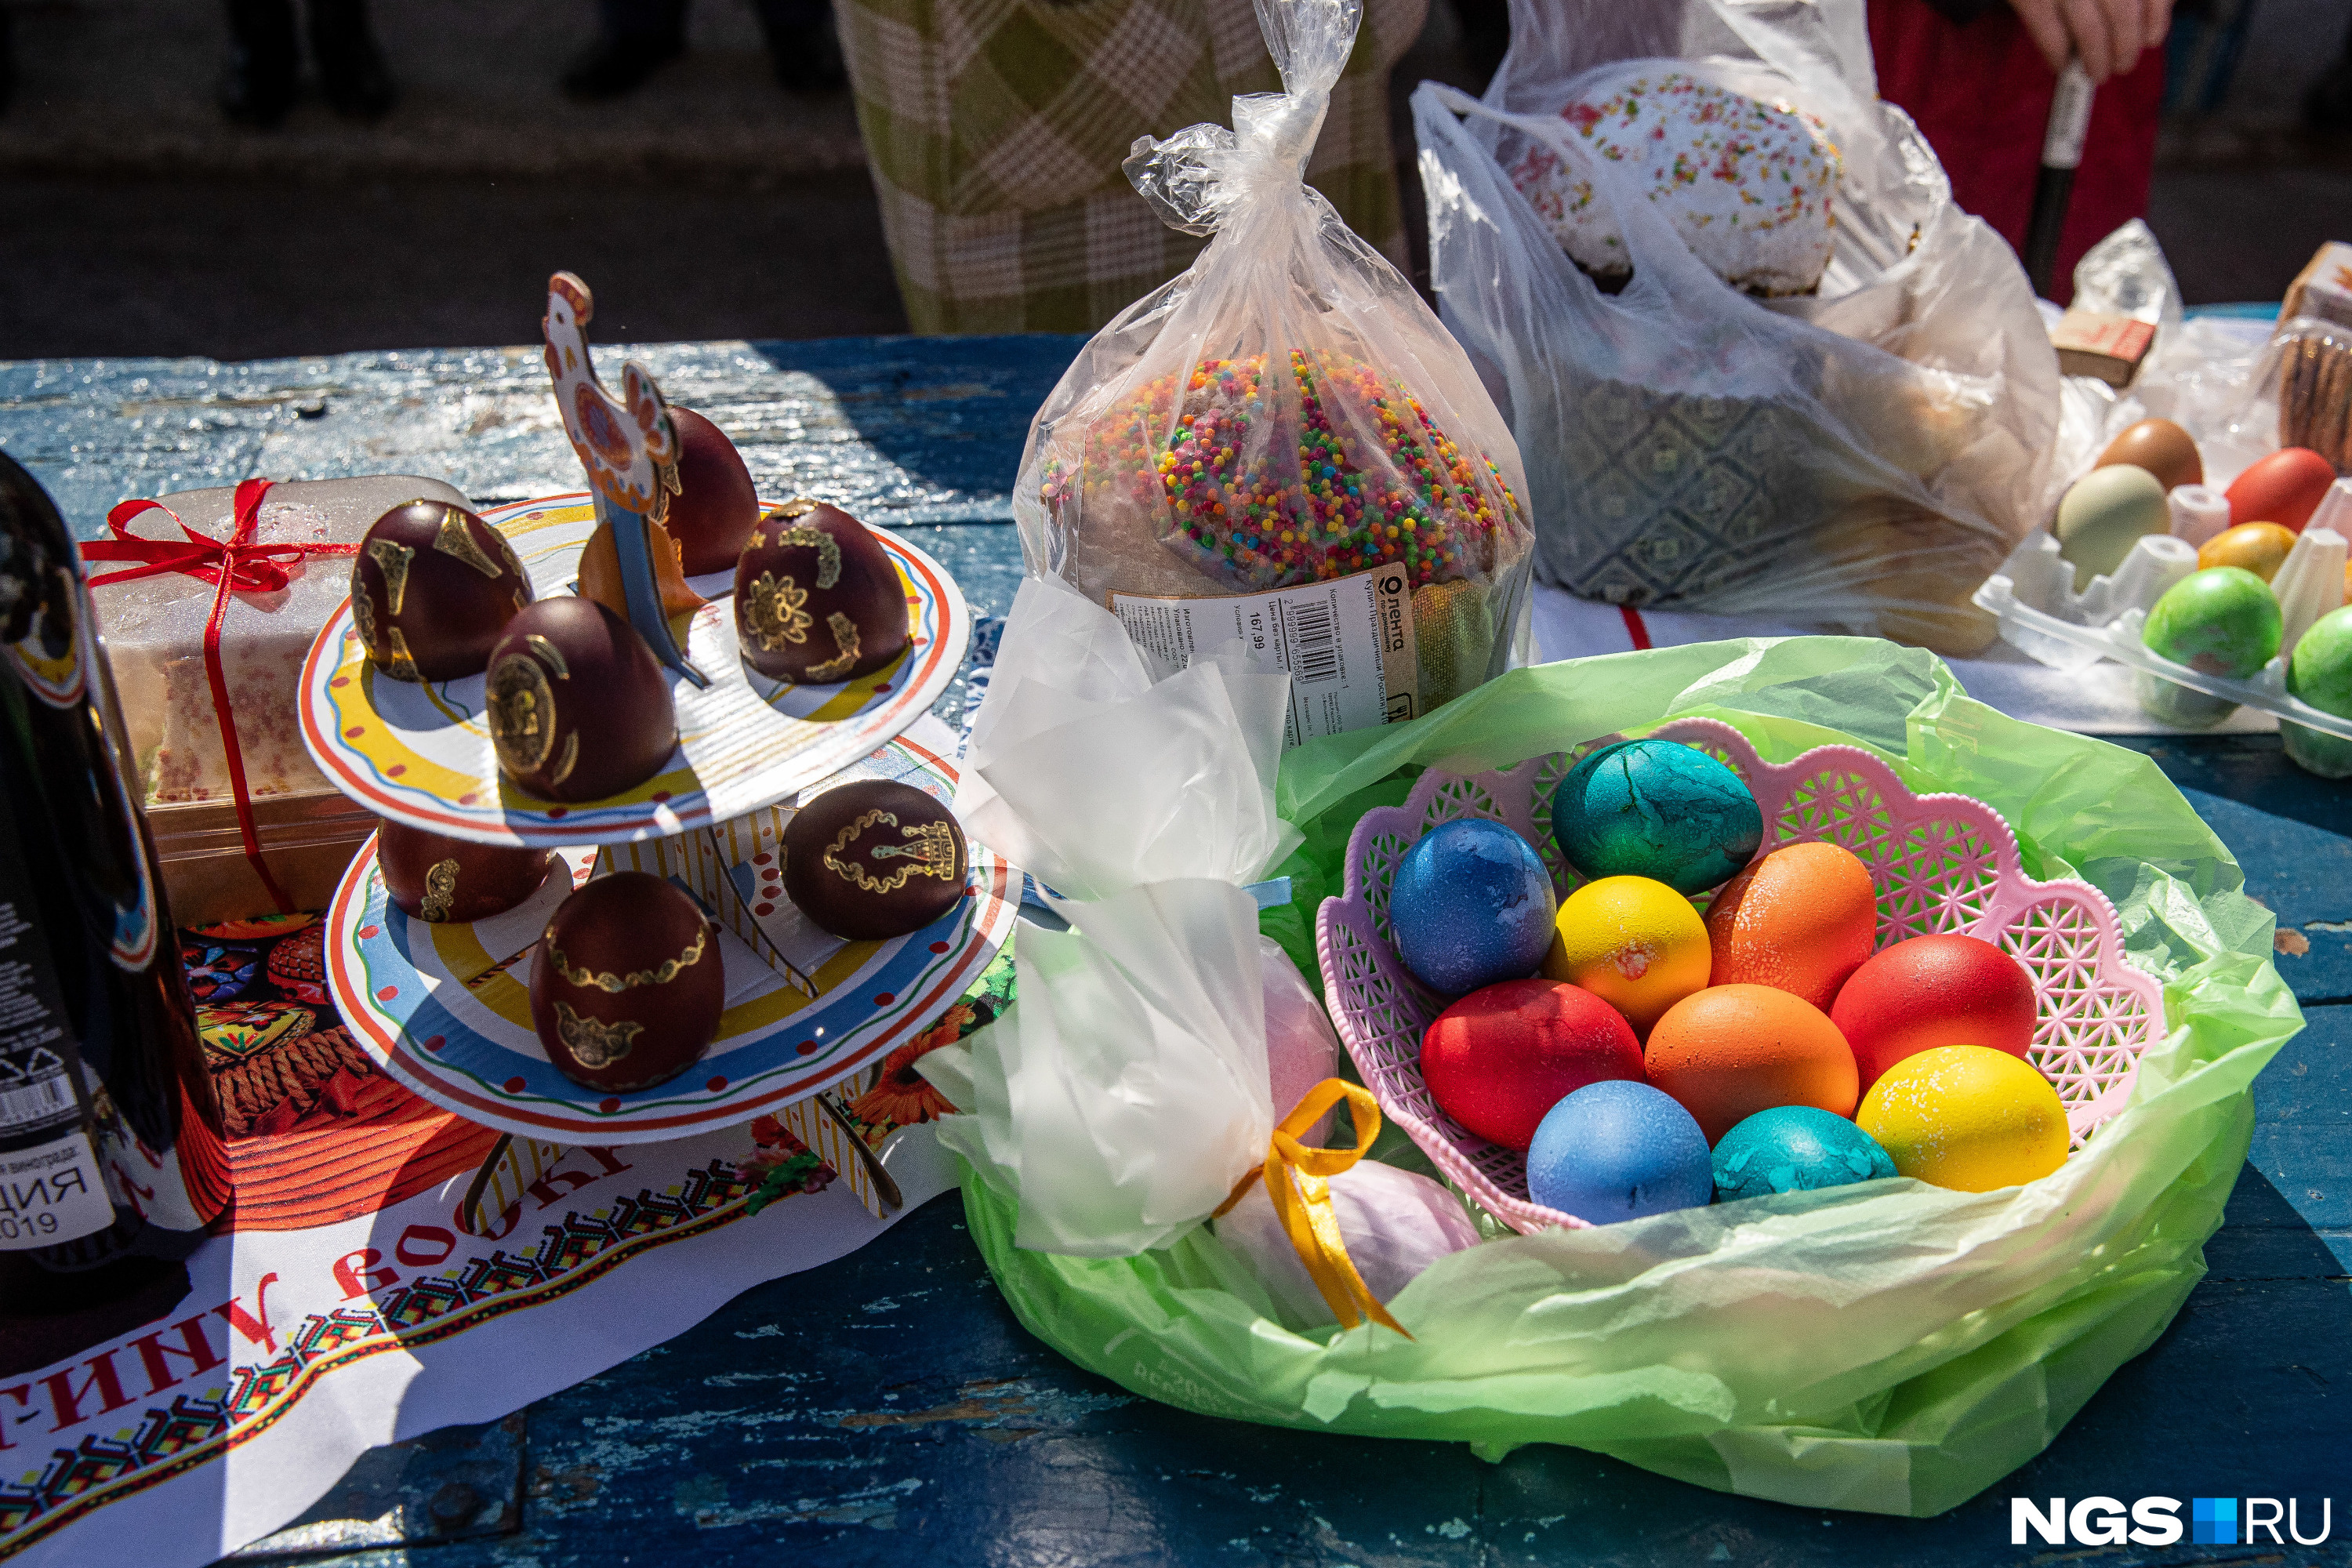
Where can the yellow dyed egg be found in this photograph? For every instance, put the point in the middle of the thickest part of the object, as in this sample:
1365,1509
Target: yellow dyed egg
1634,943
2259,547
1967,1117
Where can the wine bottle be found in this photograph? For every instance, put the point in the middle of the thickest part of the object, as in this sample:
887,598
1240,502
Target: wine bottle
112,1161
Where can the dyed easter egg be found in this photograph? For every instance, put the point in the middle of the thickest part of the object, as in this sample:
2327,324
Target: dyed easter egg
2104,513
1934,991
1803,919
1500,1057
716,507
1470,904
450,881
875,858
579,709
1618,1151
817,599
1635,943
1656,809
1967,1118
627,984
433,586
2321,674
2223,620
2284,488
2160,446
2259,547
1730,1051
1794,1148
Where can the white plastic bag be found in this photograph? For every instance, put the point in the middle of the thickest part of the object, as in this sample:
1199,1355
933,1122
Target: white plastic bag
1860,458
1395,1223
1282,443
1133,1082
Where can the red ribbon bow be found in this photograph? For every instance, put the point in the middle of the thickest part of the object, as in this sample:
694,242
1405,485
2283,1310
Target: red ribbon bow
235,563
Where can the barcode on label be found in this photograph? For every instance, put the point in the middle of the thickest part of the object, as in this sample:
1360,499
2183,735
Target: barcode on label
35,1101
1314,643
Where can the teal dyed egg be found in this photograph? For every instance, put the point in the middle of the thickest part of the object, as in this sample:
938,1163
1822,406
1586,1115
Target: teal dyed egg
1794,1149
1656,809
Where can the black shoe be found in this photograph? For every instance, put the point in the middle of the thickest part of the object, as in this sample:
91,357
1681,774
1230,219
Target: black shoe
352,70
257,88
612,67
807,59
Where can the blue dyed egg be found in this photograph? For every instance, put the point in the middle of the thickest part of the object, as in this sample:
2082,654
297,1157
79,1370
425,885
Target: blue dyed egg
1794,1149
1471,904
1618,1150
1657,809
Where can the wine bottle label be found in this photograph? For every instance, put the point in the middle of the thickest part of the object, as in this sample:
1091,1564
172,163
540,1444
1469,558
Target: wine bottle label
34,1091
50,1193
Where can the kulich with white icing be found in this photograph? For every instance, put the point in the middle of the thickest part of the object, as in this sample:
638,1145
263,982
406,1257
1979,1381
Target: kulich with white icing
1747,185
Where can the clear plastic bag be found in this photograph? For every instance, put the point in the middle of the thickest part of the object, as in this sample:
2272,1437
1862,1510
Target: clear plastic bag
1860,457
1282,443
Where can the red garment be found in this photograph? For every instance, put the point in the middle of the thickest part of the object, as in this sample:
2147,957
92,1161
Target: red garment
1981,95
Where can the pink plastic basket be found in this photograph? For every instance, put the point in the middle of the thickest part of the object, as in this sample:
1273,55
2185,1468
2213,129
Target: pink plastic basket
1941,863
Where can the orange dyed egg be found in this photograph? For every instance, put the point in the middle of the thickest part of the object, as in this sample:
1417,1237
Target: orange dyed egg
2259,547
1932,992
1729,1051
1801,920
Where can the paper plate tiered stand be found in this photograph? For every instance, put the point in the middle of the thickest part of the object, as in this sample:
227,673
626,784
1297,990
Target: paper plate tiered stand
445,1008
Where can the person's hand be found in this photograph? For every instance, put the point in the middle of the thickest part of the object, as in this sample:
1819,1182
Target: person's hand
2106,36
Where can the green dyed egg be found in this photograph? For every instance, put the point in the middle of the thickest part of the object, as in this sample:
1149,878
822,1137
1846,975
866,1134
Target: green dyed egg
2321,674
2223,620
2104,513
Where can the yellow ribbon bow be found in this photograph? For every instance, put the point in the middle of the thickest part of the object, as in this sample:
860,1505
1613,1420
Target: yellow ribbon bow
1298,1180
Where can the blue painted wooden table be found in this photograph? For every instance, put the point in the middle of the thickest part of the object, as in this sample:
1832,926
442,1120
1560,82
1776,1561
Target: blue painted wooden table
886,1407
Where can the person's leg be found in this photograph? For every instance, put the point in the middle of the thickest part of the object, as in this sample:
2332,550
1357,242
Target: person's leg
635,38
358,83
258,87
801,45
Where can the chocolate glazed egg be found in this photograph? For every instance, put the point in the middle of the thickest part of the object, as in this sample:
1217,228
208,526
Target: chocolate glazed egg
715,508
816,598
450,881
626,984
874,859
579,709
432,587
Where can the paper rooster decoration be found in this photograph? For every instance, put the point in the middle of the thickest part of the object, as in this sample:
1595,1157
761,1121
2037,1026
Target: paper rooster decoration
631,564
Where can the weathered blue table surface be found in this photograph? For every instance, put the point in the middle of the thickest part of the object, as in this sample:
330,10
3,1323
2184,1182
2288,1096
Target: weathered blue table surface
886,1408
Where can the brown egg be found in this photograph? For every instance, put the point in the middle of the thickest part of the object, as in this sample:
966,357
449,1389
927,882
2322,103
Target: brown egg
579,709
816,598
432,587
715,508
2160,446
874,859
452,881
627,984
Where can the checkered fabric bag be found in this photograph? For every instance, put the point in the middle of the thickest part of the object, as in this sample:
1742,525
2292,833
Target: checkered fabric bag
996,130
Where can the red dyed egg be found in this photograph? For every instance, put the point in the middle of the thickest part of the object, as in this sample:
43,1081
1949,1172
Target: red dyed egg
578,706
2284,488
1729,1051
1801,918
715,508
1931,992
1499,1059
433,587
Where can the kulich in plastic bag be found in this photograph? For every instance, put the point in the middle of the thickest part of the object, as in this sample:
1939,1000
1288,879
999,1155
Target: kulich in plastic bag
1283,444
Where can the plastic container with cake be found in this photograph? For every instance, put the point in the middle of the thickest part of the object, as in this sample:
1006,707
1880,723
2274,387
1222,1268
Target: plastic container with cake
153,629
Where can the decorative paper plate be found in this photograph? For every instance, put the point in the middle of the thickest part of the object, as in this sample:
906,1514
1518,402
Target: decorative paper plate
445,1009
421,753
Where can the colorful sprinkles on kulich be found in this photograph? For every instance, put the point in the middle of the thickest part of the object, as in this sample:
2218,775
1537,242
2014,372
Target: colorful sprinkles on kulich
1272,487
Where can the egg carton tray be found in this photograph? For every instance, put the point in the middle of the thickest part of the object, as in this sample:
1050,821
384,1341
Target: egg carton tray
1941,863
2041,614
